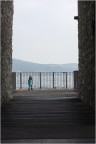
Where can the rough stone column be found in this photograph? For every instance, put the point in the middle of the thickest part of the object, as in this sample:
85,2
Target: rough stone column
86,41
0,51
0,71
6,49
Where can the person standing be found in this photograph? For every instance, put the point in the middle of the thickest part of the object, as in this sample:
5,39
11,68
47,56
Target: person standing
30,83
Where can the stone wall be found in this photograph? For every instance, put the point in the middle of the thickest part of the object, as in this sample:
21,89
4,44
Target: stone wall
0,51
86,42
6,49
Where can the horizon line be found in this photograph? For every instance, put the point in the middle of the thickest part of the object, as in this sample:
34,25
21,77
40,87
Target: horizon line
46,63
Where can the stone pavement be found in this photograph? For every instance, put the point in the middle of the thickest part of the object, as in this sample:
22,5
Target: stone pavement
47,117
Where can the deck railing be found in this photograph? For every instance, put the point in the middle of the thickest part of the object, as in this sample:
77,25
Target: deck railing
45,80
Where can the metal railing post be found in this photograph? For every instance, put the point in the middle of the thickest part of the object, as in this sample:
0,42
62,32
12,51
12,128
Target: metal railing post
53,80
75,79
63,80
13,81
40,80
66,80
20,80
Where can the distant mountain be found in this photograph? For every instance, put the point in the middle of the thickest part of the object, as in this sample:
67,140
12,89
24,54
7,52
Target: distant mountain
24,66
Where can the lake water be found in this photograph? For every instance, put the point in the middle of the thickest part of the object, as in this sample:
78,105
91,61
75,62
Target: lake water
45,80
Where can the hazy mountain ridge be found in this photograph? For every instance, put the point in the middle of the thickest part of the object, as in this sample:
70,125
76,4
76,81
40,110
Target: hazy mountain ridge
24,66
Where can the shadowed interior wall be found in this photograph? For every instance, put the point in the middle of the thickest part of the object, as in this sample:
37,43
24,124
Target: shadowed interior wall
6,49
86,42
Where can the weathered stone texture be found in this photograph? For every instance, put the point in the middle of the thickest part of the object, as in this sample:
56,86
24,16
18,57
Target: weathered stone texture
86,42
0,51
6,49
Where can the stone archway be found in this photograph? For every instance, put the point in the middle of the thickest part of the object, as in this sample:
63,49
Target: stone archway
86,38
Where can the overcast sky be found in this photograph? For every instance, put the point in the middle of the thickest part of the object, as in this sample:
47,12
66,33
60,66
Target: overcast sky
44,31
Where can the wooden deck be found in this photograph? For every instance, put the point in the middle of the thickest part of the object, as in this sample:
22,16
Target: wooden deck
47,115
